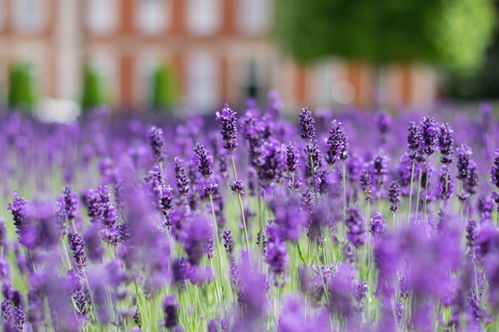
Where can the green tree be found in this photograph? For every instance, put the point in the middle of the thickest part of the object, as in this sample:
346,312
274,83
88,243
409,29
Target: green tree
482,83
92,94
164,88
21,94
453,33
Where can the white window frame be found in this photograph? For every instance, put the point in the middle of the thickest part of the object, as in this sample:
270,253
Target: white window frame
203,17
254,17
153,17
203,80
95,16
30,25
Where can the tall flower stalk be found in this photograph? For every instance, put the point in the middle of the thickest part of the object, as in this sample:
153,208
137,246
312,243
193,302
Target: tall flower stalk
227,118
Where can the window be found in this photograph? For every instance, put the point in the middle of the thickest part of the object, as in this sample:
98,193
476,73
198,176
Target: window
203,85
203,16
105,64
144,70
29,15
254,77
254,16
102,16
152,16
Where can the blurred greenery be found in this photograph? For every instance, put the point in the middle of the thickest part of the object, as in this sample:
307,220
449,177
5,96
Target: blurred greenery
482,83
21,94
453,33
92,94
164,88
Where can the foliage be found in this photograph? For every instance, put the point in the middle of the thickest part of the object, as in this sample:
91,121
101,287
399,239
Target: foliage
450,32
92,93
21,93
164,88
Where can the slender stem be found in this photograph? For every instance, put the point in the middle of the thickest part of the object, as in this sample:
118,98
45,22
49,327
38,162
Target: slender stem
92,306
419,190
344,191
66,254
217,245
241,207
410,194
426,186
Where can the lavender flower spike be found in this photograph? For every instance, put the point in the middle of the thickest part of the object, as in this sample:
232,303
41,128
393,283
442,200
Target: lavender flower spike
228,119
394,194
203,160
157,142
307,124
337,143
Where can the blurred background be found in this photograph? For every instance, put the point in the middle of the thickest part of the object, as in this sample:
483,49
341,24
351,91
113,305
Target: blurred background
64,56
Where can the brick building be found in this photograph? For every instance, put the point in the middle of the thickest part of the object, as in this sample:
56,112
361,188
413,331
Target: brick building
220,51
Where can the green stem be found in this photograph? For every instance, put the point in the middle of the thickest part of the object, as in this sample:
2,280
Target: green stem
344,191
426,186
241,207
218,247
418,191
410,194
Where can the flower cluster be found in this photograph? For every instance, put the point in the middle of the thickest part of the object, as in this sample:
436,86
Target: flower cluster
262,223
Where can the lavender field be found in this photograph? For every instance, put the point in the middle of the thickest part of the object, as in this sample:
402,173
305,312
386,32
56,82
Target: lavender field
251,221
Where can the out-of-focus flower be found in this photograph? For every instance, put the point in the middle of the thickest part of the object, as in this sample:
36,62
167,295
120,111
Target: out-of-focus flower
156,142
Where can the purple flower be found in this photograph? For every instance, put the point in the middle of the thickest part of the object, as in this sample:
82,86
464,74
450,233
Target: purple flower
95,251
380,168
356,233
170,310
252,295
197,238
294,319
485,206
463,161
337,143
271,163
180,270
413,139
360,290
393,195
471,235
213,325
429,136
70,203
237,186
290,218
77,246
156,142
494,171
383,122
445,185
313,161
227,118
18,210
340,292
228,241
377,225
446,143
366,183
181,177
471,181
291,158
307,125
41,228
203,160
276,256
